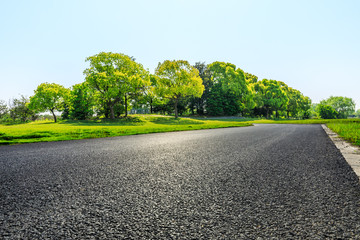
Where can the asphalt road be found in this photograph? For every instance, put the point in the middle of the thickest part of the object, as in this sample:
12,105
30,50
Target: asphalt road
262,182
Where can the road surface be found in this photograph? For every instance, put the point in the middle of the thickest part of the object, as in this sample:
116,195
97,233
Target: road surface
261,182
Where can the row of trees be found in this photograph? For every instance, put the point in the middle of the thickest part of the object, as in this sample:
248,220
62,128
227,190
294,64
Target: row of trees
17,110
82,105
336,107
115,83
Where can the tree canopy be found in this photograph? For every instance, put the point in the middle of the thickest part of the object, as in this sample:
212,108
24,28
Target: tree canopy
115,76
80,102
177,79
327,112
229,90
342,105
115,84
270,95
48,97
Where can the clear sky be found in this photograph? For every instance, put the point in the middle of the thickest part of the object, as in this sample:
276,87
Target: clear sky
312,45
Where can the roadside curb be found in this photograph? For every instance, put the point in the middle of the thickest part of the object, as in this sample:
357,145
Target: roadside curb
350,152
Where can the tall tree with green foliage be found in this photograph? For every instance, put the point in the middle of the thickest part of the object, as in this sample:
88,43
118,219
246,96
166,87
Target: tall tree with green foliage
270,95
229,81
344,106
149,98
249,100
199,103
293,106
232,79
178,79
3,108
327,111
19,110
80,102
221,102
116,77
357,113
48,97
305,107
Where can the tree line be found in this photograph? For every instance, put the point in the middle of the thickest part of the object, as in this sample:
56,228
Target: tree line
115,83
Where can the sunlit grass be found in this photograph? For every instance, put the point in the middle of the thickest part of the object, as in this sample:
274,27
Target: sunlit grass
45,131
348,130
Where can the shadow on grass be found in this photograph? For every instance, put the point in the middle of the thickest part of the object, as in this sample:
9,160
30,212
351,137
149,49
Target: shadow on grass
129,121
224,119
173,121
25,136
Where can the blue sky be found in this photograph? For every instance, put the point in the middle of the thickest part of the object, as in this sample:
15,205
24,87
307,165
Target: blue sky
313,46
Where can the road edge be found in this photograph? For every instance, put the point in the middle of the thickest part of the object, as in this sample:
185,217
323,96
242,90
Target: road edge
350,152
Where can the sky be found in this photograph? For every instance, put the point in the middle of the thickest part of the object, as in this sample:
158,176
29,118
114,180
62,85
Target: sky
311,45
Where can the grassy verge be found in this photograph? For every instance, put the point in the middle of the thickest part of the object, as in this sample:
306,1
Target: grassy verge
348,130
44,131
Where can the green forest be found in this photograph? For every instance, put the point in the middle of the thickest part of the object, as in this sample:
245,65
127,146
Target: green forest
115,85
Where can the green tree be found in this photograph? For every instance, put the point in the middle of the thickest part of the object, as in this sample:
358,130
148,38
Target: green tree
48,97
314,110
221,103
116,77
270,95
357,113
305,107
3,108
343,105
249,101
178,79
232,79
149,98
19,110
80,102
228,90
199,103
327,112
298,105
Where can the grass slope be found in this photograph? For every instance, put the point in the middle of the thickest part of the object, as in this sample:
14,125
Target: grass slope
45,131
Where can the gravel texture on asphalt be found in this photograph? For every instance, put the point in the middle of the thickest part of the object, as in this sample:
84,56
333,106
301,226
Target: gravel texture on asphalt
261,182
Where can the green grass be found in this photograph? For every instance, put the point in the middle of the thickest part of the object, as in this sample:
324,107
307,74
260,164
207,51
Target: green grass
348,130
45,131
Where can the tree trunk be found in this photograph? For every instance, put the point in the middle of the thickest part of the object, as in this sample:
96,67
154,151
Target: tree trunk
267,113
112,114
52,111
277,113
151,106
125,105
176,108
